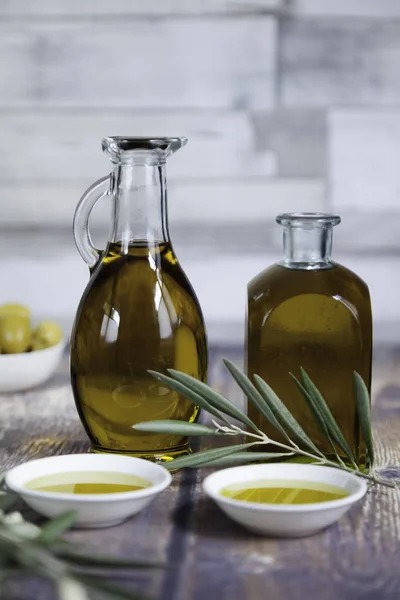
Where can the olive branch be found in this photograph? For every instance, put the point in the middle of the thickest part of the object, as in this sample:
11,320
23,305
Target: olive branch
27,549
270,406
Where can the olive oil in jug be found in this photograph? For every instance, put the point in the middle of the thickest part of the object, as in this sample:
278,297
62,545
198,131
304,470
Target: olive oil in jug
138,312
308,311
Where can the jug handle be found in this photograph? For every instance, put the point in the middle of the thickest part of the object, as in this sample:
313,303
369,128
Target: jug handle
83,241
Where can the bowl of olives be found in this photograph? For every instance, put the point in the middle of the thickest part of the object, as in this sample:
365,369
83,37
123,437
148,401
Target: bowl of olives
29,353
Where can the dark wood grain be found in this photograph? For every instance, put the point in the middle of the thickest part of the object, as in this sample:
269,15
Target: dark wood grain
358,558
207,555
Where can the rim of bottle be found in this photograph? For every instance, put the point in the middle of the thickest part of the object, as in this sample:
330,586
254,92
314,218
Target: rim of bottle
300,219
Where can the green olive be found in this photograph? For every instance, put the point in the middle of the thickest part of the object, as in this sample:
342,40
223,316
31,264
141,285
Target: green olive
15,334
46,334
18,310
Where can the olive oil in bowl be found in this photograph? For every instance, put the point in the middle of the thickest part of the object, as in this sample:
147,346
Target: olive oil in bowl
102,489
88,482
284,500
283,492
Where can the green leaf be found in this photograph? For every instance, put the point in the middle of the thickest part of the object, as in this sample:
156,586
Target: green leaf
103,562
313,406
107,589
7,501
283,414
364,413
213,397
331,425
303,460
54,528
174,427
243,458
198,459
69,588
254,396
188,393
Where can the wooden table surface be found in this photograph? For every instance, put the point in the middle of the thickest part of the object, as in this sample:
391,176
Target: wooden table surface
208,556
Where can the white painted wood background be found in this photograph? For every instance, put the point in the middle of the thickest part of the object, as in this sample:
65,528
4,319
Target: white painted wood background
287,104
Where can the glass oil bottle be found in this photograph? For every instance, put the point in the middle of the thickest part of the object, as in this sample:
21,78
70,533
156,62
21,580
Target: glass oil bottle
308,311
138,312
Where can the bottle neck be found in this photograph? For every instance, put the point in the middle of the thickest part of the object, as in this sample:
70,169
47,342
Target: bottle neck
307,247
140,204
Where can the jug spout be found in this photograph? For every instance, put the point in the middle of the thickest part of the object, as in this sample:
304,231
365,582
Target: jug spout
141,150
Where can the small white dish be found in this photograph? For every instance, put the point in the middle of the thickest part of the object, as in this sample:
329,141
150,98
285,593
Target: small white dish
29,369
285,520
93,510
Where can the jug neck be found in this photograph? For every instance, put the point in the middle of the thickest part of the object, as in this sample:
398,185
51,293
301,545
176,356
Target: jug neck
307,240
140,204
138,188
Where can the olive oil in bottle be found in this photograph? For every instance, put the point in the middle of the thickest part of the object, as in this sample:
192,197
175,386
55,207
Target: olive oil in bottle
138,313
310,312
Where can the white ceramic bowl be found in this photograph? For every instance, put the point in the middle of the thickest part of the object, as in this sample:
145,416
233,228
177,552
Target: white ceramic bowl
93,510
29,369
280,520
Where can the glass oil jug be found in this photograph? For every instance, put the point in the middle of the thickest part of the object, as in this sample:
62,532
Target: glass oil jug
138,311
308,311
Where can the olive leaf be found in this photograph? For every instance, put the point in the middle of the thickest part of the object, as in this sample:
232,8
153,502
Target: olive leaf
7,501
331,425
104,562
364,413
214,398
70,589
316,414
254,396
54,528
283,415
243,458
205,456
108,590
179,427
188,393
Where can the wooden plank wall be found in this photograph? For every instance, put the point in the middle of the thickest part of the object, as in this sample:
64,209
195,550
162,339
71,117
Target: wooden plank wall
288,105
